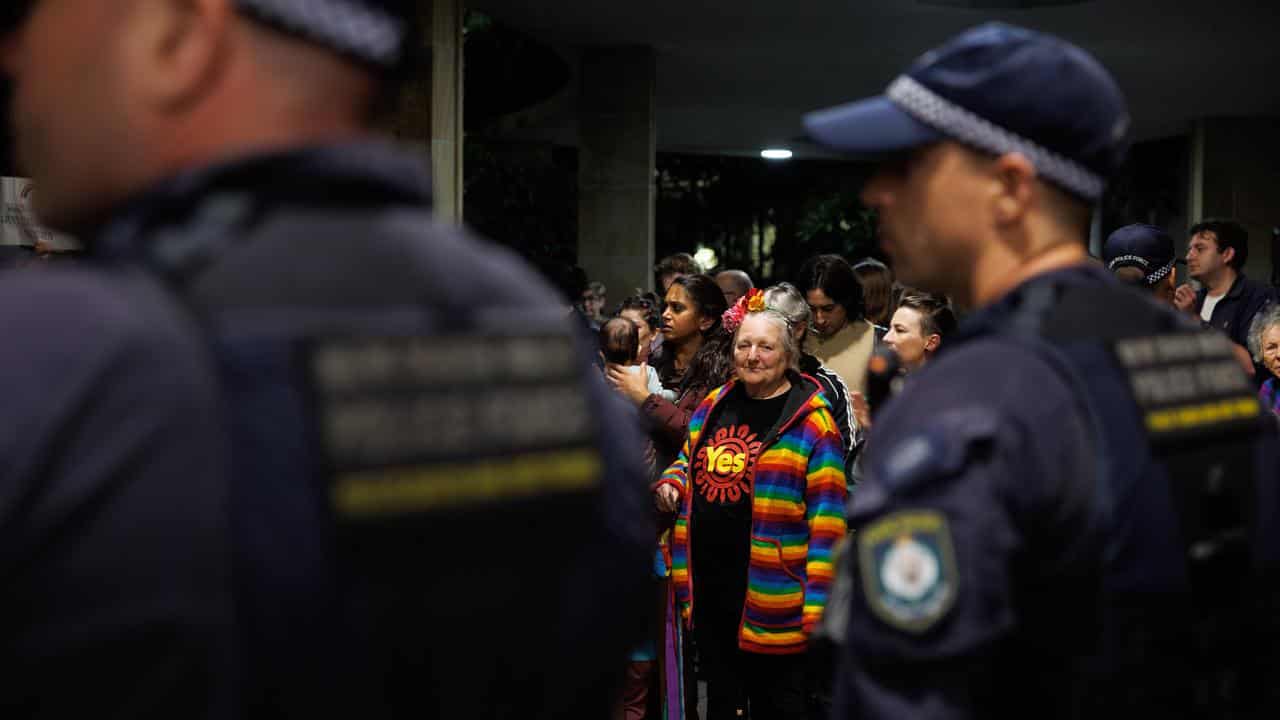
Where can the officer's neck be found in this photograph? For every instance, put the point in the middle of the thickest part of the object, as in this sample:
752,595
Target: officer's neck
997,273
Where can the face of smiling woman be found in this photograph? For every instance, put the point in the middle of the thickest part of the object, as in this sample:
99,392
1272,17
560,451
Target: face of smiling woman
760,355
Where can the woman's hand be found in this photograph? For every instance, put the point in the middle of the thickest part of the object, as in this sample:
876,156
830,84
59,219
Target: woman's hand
666,498
633,385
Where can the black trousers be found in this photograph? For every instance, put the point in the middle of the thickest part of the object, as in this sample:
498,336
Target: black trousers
766,687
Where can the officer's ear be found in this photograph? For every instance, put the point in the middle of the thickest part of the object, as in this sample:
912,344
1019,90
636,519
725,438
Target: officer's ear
1015,178
177,47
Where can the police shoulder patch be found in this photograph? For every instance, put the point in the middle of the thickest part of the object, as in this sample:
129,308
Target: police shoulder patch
909,573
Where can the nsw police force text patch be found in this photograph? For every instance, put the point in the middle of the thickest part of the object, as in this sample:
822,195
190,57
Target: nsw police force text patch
414,424
909,573
1188,384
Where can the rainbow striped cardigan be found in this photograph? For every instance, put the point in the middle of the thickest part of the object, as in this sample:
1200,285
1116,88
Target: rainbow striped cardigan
797,515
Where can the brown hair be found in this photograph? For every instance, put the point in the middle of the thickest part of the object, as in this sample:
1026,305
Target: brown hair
936,316
619,341
877,291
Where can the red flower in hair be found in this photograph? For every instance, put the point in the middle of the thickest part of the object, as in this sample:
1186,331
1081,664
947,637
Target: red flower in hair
753,301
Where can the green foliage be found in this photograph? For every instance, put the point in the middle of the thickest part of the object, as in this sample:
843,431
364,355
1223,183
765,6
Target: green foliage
838,223
763,217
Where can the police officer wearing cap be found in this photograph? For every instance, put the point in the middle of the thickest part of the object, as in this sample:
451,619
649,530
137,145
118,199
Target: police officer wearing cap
1072,510
435,509
1142,255
114,562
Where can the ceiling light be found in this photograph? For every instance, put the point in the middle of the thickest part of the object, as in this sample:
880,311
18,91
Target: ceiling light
776,154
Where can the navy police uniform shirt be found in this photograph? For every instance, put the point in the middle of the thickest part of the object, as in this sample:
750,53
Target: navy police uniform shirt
1058,510
438,510
113,534
968,502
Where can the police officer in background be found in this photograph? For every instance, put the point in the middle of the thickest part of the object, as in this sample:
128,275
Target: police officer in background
436,511
1072,510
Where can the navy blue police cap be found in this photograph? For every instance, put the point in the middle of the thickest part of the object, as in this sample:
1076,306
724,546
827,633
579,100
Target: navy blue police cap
999,89
1143,246
373,31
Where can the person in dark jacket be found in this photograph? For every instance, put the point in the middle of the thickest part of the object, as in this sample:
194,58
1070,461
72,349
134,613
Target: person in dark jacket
1227,300
406,440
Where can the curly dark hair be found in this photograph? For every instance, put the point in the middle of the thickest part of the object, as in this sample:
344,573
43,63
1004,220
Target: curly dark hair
712,365
645,305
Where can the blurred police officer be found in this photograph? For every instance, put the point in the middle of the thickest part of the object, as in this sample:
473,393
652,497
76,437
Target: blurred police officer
114,563
434,514
1072,509
1142,255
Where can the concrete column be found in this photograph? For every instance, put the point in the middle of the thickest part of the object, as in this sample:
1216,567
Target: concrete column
429,117
1235,172
616,168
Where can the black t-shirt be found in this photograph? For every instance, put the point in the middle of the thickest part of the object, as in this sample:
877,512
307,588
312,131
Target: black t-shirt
721,525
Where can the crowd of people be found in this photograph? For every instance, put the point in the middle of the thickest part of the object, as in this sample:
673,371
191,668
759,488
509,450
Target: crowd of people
865,328
282,445
726,380
752,441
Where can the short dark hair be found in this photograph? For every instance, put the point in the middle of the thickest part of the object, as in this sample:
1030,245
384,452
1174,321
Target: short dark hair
1229,234
936,315
644,304
834,276
677,264
1135,276
619,341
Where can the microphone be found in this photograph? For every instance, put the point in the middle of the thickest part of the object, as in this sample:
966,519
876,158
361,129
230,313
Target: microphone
883,376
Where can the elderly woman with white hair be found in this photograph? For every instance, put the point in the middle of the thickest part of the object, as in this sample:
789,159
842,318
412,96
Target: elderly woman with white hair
786,299
1264,345
760,489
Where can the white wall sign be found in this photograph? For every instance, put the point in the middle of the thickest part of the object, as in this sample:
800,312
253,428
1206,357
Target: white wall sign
18,225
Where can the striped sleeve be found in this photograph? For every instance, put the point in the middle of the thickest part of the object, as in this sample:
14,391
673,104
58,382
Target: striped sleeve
825,495
678,474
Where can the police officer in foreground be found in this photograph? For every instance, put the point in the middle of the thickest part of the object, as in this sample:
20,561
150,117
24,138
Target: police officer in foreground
115,596
1072,510
435,511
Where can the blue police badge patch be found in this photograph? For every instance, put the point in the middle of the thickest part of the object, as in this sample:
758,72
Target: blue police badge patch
909,573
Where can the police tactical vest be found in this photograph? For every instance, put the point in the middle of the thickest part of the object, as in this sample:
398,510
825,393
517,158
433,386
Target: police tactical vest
419,502
1186,460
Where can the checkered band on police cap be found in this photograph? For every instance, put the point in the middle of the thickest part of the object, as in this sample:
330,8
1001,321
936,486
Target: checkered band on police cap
362,29
950,119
